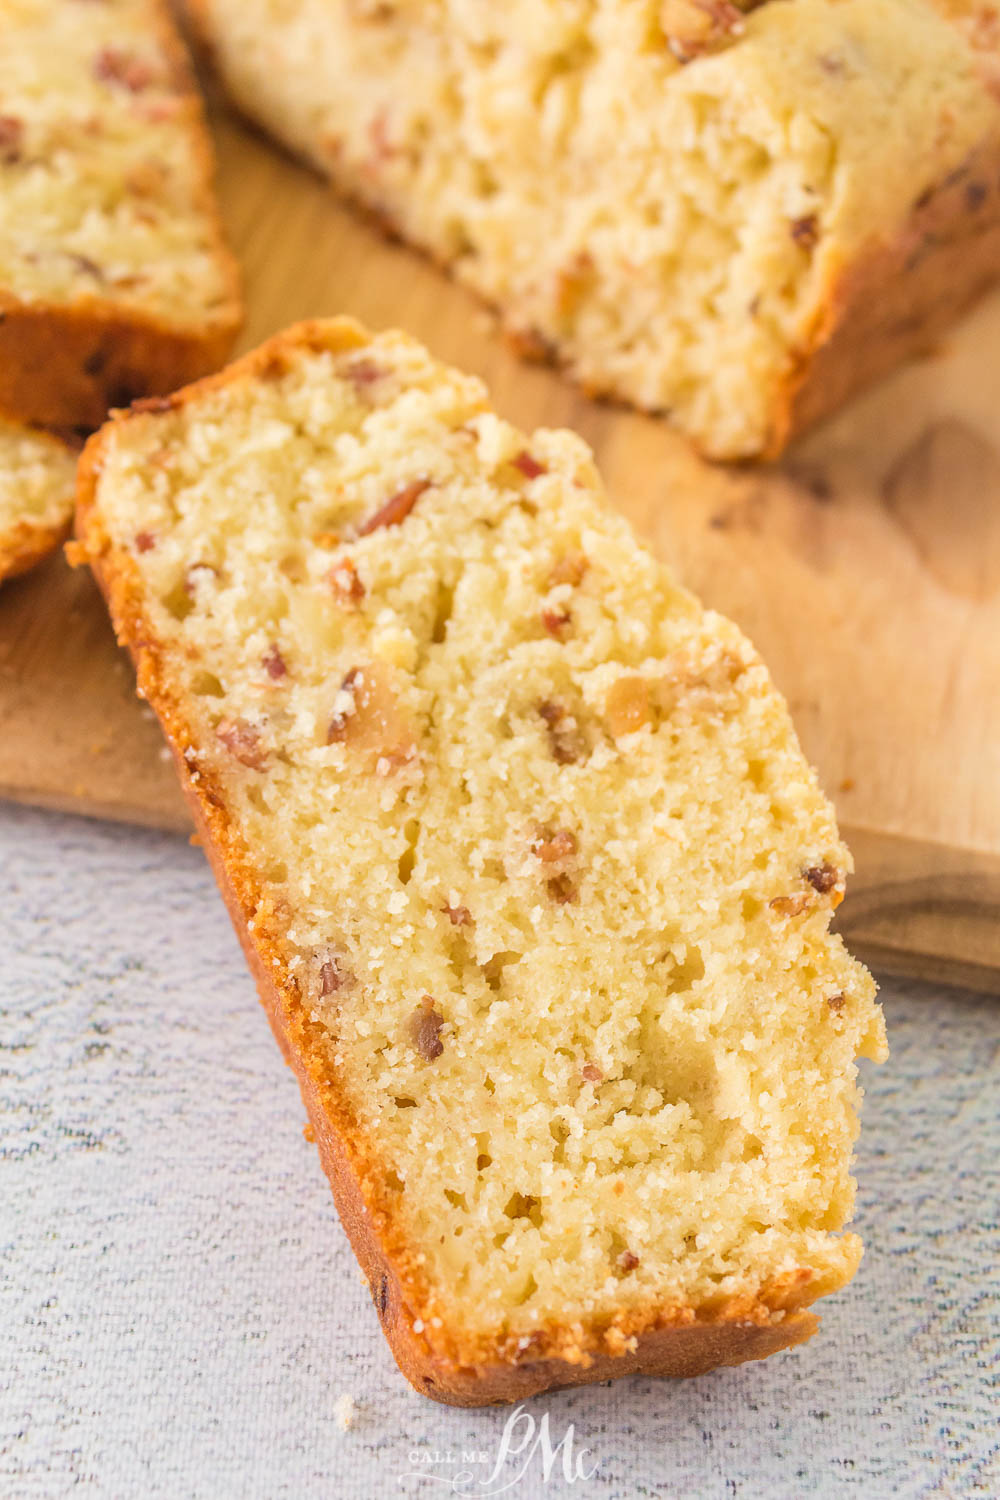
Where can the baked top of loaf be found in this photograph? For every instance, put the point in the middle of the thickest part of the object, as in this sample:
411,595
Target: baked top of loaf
521,833
105,176
670,195
37,473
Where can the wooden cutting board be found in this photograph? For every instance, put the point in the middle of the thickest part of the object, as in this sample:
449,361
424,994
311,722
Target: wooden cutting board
866,567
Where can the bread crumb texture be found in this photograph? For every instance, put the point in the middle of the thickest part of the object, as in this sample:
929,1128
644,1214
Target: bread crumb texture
523,833
36,495
663,193
103,172
346,1411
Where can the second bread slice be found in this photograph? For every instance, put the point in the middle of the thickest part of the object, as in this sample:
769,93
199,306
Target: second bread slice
114,278
37,476
524,854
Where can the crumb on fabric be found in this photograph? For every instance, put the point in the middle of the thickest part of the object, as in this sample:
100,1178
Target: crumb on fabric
346,1411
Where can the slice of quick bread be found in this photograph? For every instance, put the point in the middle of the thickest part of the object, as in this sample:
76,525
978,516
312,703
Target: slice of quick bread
733,214
114,278
37,475
523,851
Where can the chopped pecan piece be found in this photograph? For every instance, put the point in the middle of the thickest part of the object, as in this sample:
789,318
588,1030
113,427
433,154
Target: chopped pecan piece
555,621
347,586
148,403
145,541
396,509
113,65
361,373
333,976
529,466
789,906
633,702
368,716
554,847
561,889
242,741
592,1073
805,231
628,1260
425,1029
86,265
823,878
628,706
458,916
392,760
274,664
693,27
351,683
565,739
836,1002
11,138
569,569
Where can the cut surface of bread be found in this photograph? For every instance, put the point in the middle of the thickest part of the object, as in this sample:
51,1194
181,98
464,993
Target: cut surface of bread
523,850
732,218
37,479
114,279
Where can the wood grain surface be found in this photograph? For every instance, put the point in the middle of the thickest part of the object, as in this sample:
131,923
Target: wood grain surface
866,568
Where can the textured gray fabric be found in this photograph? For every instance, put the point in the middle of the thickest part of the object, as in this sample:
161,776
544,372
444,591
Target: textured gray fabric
181,1313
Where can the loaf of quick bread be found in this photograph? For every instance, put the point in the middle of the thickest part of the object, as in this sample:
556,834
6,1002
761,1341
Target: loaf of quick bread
524,854
114,278
735,219
37,481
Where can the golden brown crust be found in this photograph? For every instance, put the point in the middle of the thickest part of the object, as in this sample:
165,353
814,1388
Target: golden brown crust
448,1364
897,299
26,542
67,364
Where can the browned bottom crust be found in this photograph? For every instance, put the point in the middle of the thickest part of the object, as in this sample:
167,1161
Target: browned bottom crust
67,366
